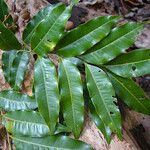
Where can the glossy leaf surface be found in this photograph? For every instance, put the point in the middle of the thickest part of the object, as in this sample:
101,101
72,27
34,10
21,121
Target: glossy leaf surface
51,29
49,143
61,129
35,21
77,41
132,64
17,68
11,100
102,96
120,39
4,13
46,91
7,60
8,41
71,96
130,93
26,123
106,131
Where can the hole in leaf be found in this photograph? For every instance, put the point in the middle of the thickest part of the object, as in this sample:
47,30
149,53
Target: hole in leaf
114,96
115,103
49,40
35,56
133,68
111,113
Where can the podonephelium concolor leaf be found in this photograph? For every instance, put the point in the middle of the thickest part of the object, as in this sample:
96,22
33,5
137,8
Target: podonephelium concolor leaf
130,93
120,39
103,100
8,41
29,123
51,29
4,13
132,64
49,143
82,38
71,96
35,21
11,100
47,92
18,69
7,60
25,123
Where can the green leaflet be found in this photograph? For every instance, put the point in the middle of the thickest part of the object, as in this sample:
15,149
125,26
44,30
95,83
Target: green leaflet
77,41
7,60
71,96
100,124
47,92
51,29
49,143
8,40
11,100
102,96
4,12
36,20
120,39
15,67
27,123
130,93
132,64
19,123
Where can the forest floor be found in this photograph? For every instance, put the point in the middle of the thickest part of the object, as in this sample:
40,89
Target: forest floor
136,127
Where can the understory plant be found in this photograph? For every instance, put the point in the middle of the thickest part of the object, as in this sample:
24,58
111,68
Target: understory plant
85,68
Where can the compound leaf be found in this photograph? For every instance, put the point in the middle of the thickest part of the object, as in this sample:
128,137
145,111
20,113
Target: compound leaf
8,41
49,143
102,95
11,100
77,41
35,21
130,93
47,92
120,39
51,29
132,64
71,96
